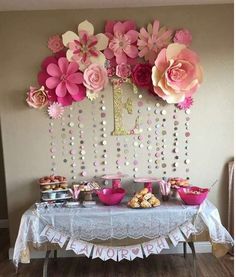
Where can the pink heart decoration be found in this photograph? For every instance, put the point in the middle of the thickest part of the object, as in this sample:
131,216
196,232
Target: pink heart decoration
135,251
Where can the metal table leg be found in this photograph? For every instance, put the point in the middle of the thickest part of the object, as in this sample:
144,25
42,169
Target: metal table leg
191,245
45,264
185,249
55,254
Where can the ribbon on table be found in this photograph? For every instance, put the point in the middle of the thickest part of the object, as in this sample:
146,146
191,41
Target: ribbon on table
120,253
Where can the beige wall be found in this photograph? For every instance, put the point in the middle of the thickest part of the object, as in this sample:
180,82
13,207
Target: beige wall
25,138
3,197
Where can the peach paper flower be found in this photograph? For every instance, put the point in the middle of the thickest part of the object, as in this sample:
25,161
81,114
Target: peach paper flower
95,80
152,40
85,48
37,98
55,43
177,73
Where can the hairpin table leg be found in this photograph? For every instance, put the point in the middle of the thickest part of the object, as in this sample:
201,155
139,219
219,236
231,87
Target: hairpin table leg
185,248
55,254
45,264
191,245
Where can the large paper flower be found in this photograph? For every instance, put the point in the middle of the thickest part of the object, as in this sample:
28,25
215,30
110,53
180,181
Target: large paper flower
95,80
152,40
66,80
177,73
37,98
43,76
85,48
122,41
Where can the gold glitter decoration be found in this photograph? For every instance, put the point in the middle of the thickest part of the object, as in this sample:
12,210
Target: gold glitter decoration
119,105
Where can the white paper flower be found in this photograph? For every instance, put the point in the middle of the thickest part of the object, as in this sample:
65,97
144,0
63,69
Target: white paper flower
85,48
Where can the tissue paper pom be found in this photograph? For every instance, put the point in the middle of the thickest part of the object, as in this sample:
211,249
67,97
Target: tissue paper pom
55,110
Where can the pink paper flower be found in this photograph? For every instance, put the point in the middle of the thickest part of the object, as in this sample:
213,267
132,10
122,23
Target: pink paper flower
85,48
123,70
122,41
55,110
95,80
186,104
65,79
37,98
43,75
152,40
177,73
183,36
141,75
55,43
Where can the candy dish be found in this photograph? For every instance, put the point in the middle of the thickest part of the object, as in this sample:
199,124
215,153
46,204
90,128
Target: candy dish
193,195
111,196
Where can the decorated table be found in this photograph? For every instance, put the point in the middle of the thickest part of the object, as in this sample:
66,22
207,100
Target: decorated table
96,232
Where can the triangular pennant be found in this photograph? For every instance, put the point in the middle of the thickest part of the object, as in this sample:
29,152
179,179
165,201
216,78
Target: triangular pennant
176,236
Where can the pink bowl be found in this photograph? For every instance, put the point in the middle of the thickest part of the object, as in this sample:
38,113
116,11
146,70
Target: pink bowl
110,196
190,198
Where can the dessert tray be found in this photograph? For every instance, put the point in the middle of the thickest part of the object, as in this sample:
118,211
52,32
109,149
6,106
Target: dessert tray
56,198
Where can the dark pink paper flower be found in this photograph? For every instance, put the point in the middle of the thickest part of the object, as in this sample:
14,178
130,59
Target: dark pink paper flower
141,75
62,79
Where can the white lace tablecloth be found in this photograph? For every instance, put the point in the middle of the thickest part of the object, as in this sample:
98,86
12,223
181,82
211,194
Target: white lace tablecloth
119,222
